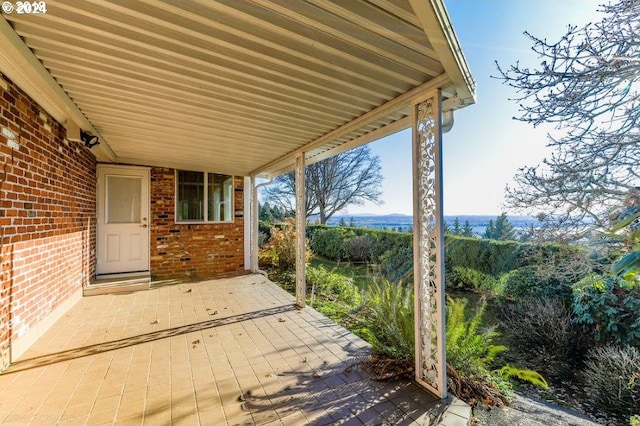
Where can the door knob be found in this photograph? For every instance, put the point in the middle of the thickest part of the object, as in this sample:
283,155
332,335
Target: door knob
143,226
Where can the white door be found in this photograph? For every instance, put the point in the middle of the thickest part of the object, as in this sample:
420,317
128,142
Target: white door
123,220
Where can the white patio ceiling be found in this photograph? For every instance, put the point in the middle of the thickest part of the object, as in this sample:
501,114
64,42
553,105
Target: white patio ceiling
233,86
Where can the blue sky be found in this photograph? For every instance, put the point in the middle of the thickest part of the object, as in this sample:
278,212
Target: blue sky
486,146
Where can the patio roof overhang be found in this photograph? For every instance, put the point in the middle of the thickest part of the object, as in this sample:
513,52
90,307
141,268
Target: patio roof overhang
236,87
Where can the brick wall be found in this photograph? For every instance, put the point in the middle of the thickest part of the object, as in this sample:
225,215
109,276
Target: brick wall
47,216
192,250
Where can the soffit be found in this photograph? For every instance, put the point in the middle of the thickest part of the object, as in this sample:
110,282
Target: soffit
239,86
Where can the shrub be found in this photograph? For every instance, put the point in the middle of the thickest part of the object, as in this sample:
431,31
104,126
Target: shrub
543,328
613,374
332,286
264,228
471,279
280,252
607,308
359,248
331,242
396,265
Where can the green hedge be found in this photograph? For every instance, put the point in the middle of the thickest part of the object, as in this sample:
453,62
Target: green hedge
515,268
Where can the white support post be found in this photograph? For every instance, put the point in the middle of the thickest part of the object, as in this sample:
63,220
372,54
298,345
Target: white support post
428,245
301,220
254,226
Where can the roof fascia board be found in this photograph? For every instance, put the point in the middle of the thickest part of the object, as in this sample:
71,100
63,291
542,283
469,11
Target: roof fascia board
19,64
436,24
396,126
395,104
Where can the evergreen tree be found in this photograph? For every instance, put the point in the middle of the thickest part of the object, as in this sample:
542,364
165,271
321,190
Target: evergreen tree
467,230
342,222
456,227
352,222
504,229
445,227
490,232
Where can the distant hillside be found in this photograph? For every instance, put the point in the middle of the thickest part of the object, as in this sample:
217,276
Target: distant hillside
405,222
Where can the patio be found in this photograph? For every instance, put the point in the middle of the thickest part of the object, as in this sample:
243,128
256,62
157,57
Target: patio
221,352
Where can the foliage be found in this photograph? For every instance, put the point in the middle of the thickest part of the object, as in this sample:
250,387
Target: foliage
533,377
634,421
625,228
331,286
487,256
349,178
396,265
389,311
501,230
280,252
359,248
467,230
607,308
271,214
264,232
613,375
471,279
331,242
542,328
471,352
587,86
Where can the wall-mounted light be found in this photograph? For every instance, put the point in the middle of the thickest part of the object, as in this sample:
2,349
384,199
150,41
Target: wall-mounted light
76,134
88,139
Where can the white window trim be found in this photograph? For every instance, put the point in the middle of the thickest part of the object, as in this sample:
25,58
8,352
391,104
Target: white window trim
206,194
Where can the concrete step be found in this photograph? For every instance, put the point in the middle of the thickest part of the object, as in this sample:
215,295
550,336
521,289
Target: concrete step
117,284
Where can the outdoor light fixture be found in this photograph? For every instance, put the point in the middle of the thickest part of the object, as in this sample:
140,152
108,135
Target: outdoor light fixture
88,139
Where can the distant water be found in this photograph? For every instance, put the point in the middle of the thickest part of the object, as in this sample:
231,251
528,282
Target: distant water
405,222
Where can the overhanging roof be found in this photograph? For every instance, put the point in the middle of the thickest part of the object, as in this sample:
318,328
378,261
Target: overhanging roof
233,86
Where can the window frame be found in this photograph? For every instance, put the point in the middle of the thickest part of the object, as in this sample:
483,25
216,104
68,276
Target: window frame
205,212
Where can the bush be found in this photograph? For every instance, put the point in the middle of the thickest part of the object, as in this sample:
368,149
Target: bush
359,248
396,265
607,308
280,252
264,228
332,286
471,279
331,242
613,374
543,328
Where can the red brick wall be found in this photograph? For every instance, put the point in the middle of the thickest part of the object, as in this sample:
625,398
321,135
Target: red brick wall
188,250
47,215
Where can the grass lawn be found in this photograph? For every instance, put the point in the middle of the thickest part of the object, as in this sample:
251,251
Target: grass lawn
361,274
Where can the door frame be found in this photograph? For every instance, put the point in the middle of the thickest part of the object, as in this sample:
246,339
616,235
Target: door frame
100,199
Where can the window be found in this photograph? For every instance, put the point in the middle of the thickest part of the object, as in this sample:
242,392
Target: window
203,197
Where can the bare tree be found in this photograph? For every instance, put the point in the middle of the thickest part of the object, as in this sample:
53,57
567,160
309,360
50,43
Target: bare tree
350,178
586,85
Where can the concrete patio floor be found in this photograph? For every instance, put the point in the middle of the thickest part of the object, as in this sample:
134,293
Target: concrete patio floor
220,352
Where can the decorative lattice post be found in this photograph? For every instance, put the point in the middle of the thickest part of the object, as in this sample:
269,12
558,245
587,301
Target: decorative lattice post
428,245
255,212
301,220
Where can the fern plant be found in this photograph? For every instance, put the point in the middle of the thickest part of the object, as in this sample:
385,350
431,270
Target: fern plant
390,317
471,350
